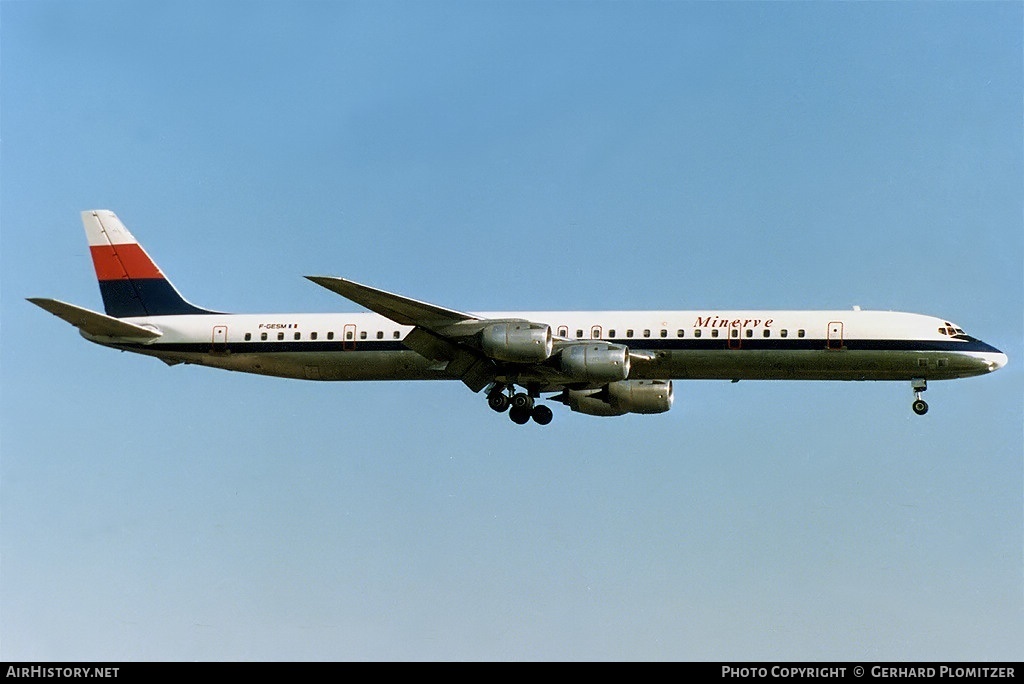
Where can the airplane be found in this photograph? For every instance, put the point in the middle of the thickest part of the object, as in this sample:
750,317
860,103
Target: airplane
598,363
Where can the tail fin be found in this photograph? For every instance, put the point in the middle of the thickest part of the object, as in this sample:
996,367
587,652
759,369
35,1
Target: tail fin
131,283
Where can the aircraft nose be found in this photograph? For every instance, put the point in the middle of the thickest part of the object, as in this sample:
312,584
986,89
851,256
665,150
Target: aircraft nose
997,361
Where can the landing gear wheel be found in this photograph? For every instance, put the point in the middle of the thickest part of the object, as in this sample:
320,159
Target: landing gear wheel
523,401
919,385
541,414
519,415
498,401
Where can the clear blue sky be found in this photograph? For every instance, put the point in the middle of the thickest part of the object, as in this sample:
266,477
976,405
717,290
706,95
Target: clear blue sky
511,155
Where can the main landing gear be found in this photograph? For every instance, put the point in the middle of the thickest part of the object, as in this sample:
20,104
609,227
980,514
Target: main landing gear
520,406
920,406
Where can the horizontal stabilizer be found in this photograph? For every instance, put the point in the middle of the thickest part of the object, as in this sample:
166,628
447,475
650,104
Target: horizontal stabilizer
93,323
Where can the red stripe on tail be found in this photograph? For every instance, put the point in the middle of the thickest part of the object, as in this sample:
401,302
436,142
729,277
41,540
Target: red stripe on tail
116,262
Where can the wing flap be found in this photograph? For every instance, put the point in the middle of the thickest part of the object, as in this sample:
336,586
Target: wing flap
457,362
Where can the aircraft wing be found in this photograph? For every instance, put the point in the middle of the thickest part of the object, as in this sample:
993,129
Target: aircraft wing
93,323
401,310
438,334
452,338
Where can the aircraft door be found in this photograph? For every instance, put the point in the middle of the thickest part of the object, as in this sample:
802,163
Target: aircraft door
835,335
348,337
735,337
595,332
219,342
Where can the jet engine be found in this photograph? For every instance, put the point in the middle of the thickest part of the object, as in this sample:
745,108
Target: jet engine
599,362
619,398
517,341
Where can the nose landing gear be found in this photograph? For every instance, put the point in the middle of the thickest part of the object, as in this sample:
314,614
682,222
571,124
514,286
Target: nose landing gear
920,406
520,405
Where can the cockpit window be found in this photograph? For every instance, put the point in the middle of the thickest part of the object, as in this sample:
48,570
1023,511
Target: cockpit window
951,330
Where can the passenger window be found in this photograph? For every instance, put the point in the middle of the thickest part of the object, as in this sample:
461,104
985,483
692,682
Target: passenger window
280,335
263,336
396,335
380,334
647,333
767,333
629,333
734,333
298,336
611,333
248,336
714,332
330,335
362,335
784,333
563,331
664,333
348,335
750,333
680,333
579,333
800,333
696,333
312,335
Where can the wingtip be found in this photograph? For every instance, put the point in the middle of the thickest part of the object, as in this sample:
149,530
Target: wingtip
322,281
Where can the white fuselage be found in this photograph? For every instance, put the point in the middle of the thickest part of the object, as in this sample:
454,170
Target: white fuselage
702,344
